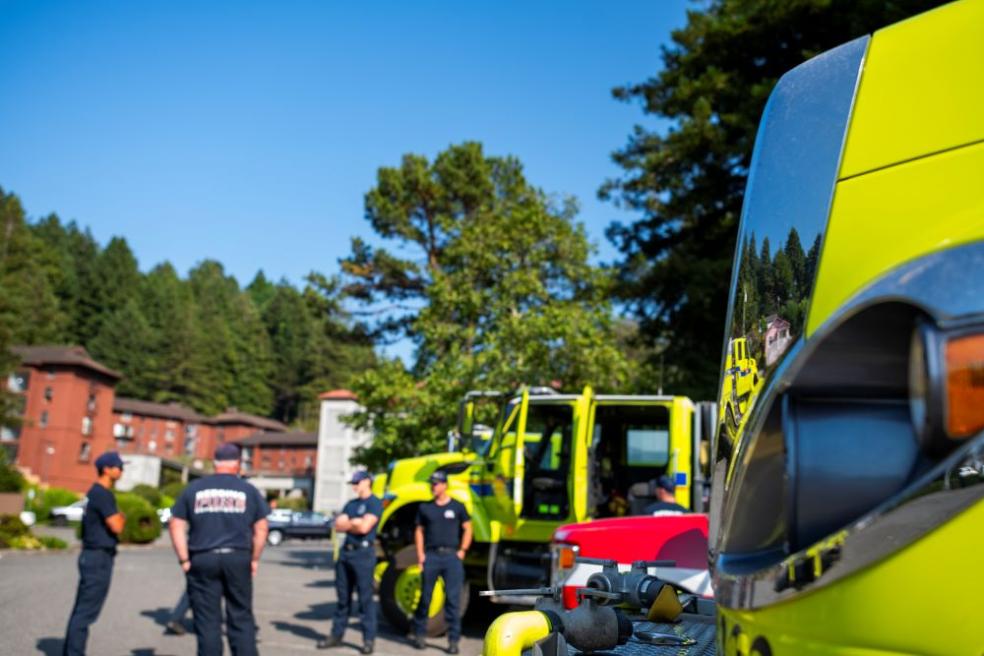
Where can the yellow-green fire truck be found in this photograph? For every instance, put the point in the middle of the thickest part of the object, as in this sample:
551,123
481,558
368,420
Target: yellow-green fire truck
552,459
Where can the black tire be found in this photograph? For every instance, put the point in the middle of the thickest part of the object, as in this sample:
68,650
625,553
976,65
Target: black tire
394,613
59,520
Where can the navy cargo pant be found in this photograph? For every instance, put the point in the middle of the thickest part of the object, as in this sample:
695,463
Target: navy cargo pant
354,570
449,567
95,572
215,575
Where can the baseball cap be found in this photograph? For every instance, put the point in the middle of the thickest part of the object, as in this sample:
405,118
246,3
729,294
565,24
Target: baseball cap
439,476
360,475
227,451
109,459
666,482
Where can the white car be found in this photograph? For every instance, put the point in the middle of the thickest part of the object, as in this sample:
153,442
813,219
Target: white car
164,514
62,515
280,515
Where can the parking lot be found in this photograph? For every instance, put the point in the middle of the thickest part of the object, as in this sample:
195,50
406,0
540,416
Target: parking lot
294,599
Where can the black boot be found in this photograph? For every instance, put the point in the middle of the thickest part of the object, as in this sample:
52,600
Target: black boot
367,647
418,642
329,642
452,646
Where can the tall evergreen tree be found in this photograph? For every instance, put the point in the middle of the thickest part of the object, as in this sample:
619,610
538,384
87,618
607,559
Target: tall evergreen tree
686,183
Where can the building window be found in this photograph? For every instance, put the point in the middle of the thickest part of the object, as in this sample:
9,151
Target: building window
50,374
43,421
91,404
87,425
84,452
308,461
126,417
48,393
122,431
169,435
152,446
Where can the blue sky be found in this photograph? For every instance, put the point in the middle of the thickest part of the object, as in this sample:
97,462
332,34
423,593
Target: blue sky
249,132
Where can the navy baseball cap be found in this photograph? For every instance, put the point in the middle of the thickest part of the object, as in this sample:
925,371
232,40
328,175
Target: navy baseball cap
109,459
666,482
439,476
361,475
227,451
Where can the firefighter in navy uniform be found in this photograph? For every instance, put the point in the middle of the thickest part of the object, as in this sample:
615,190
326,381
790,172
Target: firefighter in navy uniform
355,565
218,527
101,525
442,537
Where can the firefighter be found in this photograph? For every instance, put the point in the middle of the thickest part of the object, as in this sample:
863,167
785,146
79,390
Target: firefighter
102,524
357,562
442,538
218,527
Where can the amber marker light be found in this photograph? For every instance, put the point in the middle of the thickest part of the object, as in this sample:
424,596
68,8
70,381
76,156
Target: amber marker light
965,386
565,558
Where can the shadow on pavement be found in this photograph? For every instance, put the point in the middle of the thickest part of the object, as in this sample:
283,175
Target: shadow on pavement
311,559
323,583
299,630
159,615
50,646
321,612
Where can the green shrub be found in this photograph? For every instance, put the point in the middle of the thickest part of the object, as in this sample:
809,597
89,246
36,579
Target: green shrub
142,525
51,542
25,542
166,501
12,525
47,498
11,479
173,490
151,494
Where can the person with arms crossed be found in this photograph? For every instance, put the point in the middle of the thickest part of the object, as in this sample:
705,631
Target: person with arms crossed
355,565
442,537
218,528
102,524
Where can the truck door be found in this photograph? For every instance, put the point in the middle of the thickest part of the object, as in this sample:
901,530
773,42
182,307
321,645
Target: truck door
505,461
547,441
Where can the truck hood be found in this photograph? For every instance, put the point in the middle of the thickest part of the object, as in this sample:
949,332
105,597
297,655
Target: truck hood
680,538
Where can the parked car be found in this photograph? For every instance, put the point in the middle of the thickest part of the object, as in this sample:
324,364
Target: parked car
303,525
280,515
62,515
164,514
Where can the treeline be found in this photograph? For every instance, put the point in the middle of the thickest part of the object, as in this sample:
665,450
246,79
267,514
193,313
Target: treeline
202,340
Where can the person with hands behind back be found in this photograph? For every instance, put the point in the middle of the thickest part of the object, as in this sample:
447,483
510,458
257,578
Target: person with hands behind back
218,528
442,537
355,565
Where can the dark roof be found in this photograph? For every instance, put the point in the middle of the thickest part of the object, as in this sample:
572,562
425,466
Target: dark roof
338,395
233,416
73,356
280,439
170,410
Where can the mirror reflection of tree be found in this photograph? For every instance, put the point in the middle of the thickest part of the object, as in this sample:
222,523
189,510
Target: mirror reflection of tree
773,293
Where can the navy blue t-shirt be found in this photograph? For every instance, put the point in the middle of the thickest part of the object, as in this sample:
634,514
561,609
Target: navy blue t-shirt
220,510
101,504
442,524
358,508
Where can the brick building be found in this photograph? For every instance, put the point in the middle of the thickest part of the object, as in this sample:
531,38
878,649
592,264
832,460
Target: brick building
280,462
71,415
67,413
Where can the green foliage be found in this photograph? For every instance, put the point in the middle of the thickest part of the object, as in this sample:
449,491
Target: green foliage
173,490
51,542
142,524
166,501
687,182
47,498
202,341
148,493
11,480
497,291
11,526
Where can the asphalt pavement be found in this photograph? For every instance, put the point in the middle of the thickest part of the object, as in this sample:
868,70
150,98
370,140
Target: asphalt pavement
294,597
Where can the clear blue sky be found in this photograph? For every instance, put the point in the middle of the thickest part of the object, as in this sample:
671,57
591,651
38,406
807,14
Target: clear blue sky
249,132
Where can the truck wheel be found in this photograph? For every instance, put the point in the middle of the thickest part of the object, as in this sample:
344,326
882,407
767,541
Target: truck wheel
275,537
399,594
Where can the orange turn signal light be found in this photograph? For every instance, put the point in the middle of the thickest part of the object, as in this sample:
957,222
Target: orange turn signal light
565,557
965,386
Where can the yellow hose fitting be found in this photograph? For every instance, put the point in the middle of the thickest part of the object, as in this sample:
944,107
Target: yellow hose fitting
511,633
